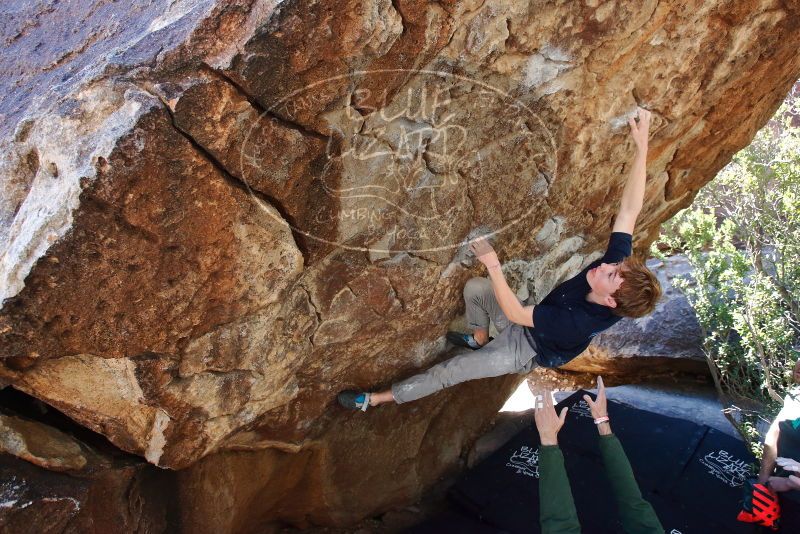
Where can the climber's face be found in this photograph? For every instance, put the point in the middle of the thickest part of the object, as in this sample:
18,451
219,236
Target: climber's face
604,280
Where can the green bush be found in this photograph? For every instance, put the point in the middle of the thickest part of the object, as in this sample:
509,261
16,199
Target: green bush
742,238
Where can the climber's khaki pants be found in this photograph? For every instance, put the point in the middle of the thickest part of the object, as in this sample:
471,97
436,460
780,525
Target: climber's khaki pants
508,353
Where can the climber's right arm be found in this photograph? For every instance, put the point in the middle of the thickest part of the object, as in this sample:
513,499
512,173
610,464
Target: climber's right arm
506,299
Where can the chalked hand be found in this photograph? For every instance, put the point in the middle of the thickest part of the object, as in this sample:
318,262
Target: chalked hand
484,252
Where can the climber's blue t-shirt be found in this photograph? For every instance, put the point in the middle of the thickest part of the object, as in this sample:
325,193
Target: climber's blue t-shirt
565,322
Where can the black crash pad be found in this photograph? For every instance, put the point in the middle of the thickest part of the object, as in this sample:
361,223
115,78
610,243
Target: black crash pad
691,474
453,521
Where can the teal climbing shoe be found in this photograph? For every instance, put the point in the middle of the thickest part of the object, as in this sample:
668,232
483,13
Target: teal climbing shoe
464,340
354,400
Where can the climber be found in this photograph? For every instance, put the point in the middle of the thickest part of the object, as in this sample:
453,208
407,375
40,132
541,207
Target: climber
554,331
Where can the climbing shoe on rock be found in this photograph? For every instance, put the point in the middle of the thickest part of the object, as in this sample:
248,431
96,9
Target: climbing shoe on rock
354,400
464,340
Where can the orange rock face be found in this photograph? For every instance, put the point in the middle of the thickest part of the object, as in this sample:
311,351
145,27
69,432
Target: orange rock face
216,215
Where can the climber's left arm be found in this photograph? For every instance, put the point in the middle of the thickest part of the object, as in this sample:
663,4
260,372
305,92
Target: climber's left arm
633,194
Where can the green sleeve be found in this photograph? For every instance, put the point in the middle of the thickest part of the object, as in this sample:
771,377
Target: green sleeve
557,514
635,513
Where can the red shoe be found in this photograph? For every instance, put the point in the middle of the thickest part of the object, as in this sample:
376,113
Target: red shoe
761,507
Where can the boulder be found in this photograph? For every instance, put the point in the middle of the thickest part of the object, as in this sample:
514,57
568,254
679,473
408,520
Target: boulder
217,215
56,476
39,444
122,497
